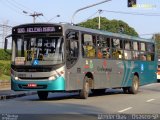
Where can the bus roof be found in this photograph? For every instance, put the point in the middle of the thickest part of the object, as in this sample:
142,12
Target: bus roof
89,30
111,34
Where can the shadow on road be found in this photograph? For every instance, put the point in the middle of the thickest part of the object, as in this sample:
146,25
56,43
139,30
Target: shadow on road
64,96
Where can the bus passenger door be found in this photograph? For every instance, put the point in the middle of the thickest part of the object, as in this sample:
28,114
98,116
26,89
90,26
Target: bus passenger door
117,63
72,52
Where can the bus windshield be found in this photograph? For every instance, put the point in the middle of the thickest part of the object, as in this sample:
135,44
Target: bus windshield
43,50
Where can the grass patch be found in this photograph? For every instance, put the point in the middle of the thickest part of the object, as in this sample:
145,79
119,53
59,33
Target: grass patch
5,61
5,69
5,77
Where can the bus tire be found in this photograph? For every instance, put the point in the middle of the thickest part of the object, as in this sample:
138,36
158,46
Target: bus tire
43,95
125,90
84,93
135,85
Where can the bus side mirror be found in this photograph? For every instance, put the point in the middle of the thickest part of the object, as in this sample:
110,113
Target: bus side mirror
6,45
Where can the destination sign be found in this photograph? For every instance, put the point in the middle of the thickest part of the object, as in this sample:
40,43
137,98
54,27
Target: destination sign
35,29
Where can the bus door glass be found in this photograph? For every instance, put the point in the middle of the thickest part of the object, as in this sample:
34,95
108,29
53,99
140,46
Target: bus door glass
117,62
72,48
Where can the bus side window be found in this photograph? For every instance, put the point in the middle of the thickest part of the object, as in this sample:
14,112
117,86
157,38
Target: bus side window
135,51
143,51
88,45
150,52
127,50
117,48
103,44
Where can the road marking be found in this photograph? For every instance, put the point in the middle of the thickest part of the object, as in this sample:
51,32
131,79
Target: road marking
150,100
125,109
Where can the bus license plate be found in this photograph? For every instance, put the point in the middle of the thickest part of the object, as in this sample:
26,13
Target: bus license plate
32,85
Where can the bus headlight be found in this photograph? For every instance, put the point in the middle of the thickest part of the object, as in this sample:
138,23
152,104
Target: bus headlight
16,78
52,77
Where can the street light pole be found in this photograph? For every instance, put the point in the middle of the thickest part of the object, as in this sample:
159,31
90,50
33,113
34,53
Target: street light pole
99,21
72,20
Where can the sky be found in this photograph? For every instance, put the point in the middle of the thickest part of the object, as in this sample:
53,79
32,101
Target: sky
11,12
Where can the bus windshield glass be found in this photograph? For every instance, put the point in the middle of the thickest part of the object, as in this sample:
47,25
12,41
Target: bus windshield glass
38,50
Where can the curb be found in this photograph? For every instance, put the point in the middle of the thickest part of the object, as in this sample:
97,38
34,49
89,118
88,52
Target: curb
11,96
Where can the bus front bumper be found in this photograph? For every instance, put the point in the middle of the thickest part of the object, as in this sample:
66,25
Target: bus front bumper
38,85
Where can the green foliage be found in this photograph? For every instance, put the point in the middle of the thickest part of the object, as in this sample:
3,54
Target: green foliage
157,40
5,77
5,67
4,55
5,59
116,26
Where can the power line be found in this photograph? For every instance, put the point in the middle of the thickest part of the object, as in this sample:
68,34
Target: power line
22,6
27,9
16,6
53,18
131,13
90,16
44,17
24,11
86,7
12,8
2,25
122,12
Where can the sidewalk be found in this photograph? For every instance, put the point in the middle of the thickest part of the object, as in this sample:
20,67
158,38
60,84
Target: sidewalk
7,93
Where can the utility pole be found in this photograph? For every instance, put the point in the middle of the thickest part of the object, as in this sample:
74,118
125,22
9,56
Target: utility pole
34,15
72,20
4,31
99,23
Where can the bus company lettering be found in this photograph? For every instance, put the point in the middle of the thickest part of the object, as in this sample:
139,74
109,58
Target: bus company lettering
104,69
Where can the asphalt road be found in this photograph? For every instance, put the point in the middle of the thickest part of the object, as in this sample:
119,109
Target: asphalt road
147,101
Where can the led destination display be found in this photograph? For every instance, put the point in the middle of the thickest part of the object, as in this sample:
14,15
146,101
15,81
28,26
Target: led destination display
37,29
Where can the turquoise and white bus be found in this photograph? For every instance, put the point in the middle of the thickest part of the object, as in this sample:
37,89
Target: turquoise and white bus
62,57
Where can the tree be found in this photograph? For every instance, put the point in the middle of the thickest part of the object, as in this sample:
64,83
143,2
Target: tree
116,26
156,37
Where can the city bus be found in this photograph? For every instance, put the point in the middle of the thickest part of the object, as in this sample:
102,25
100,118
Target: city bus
56,57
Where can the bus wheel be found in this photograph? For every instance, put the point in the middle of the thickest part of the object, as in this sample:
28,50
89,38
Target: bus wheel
42,95
84,93
125,90
135,85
